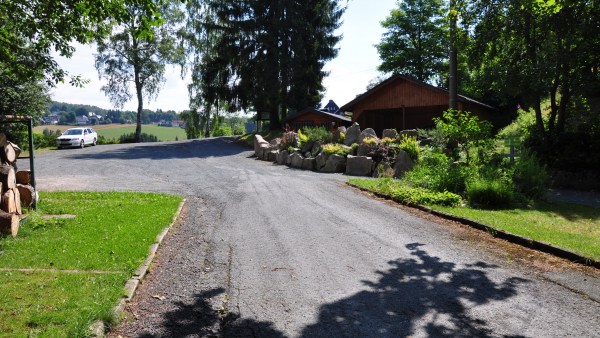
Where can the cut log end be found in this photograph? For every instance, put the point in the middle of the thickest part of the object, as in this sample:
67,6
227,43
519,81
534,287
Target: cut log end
9,224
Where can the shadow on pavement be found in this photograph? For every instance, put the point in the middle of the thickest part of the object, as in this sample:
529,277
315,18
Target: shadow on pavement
203,148
422,292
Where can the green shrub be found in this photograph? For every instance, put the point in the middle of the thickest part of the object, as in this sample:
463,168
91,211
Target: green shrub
370,140
387,140
489,194
130,138
335,148
317,134
437,172
403,193
342,137
530,177
223,130
104,140
302,138
411,146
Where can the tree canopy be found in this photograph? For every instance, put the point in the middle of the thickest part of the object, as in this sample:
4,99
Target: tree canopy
415,41
262,54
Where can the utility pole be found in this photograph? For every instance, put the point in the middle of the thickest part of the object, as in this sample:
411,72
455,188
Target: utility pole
453,75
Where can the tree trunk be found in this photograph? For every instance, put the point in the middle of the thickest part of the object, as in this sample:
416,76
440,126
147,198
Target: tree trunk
9,224
23,177
7,177
27,194
2,140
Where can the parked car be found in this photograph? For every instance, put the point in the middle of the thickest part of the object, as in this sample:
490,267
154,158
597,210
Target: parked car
77,137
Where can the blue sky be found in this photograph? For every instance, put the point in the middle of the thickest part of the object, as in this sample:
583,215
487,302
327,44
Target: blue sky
350,72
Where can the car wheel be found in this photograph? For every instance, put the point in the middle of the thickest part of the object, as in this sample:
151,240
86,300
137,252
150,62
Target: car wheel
94,143
82,144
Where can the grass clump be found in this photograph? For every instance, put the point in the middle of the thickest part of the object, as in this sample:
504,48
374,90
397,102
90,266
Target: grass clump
411,146
317,134
79,265
489,194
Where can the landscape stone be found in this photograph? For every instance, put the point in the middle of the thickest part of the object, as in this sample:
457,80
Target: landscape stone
296,160
402,164
352,134
390,133
308,164
364,149
408,133
369,132
272,155
316,149
308,146
359,165
321,160
259,142
335,164
336,135
282,157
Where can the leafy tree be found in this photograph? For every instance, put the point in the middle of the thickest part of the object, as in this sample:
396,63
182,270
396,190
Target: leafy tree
529,51
464,130
261,54
414,41
130,57
31,29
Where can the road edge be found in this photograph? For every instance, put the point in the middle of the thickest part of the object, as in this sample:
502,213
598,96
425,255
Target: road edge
98,328
498,233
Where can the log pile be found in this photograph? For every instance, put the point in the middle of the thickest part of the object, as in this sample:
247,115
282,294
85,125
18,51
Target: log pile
16,190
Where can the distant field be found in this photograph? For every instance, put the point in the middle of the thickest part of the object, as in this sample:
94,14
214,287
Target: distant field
110,131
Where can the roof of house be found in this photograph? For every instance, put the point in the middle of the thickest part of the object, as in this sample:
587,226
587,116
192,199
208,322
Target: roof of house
306,111
349,106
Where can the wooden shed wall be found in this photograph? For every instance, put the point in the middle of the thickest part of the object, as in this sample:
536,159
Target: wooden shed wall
401,93
314,119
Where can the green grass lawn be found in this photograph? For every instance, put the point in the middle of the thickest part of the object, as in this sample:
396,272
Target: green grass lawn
570,226
162,133
78,266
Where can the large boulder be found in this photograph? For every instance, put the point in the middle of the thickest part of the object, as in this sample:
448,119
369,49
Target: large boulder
352,134
272,155
260,142
296,160
383,170
402,164
359,165
408,133
365,148
282,157
307,146
321,160
335,163
389,133
262,150
308,164
337,134
369,132
316,148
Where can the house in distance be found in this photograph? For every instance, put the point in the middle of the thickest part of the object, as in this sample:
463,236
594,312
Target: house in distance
402,102
329,117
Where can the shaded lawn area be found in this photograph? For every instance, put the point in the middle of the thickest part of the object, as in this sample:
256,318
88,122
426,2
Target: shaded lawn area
566,225
78,266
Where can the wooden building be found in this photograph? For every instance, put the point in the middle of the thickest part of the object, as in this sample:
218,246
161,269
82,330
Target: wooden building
402,102
312,117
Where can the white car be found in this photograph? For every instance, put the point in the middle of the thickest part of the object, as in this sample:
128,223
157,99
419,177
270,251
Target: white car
77,137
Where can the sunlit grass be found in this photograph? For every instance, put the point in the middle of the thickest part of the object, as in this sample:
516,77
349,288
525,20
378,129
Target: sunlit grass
106,241
570,226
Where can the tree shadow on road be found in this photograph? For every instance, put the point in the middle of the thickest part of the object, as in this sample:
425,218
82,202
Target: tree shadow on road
200,319
202,148
422,292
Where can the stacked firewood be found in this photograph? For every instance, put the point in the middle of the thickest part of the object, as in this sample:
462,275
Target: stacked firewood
16,190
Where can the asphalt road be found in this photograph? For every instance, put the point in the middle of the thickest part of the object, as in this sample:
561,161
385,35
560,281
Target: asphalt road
268,251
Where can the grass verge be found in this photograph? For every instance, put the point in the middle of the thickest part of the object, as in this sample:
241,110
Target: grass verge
78,266
569,226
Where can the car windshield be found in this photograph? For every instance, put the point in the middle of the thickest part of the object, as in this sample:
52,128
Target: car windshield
73,132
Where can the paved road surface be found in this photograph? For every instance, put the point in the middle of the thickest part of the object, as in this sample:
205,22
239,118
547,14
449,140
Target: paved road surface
268,251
